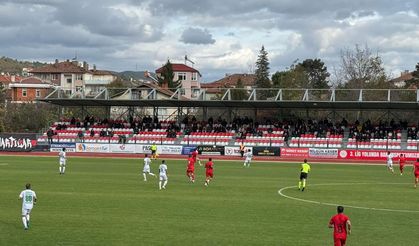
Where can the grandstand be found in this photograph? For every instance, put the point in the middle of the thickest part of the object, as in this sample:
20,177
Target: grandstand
296,133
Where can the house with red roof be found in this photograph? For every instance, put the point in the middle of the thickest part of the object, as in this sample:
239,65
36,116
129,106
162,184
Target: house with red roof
74,77
28,90
214,89
188,76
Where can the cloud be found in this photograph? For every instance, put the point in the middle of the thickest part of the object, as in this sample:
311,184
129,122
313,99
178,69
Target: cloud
196,36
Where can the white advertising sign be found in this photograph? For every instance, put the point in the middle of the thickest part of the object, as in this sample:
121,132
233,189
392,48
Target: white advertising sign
90,147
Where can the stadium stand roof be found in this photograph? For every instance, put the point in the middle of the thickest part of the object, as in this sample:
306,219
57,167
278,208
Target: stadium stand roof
343,99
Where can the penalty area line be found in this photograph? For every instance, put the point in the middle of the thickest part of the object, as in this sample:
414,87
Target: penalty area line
281,193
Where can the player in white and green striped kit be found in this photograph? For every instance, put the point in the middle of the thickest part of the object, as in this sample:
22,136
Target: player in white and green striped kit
28,197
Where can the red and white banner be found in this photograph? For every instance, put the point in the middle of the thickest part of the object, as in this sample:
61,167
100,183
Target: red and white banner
294,152
375,154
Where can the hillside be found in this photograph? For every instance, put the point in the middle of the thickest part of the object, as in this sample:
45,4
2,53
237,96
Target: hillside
13,66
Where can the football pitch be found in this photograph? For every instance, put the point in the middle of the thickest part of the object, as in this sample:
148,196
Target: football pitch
104,201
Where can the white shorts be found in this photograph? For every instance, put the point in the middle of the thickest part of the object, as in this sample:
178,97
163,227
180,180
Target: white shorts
163,177
389,164
26,211
146,170
247,160
62,163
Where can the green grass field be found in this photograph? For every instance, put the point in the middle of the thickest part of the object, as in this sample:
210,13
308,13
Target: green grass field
106,202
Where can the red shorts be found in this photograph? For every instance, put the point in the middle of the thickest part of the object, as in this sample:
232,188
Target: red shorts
209,174
416,175
190,171
340,241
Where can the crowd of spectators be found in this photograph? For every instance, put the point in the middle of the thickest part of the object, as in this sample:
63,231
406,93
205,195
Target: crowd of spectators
413,133
242,127
322,128
384,130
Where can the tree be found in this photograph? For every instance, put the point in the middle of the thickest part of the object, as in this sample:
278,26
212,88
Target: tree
262,73
239,93
360,67
316,72
166,79
415,80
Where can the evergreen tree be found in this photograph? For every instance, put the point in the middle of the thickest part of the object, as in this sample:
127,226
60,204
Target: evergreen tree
166,79
262,73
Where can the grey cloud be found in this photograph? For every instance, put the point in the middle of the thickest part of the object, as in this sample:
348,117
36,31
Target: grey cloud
197,36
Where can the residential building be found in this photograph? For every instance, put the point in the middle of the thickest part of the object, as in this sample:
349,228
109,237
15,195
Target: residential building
401,80
74,77
188,76
218,87
29,90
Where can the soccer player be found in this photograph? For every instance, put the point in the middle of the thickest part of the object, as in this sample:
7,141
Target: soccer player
63,159
402,162
195,156
305,169
390,162
248,159
209,171
190,170
416,172
146,169
28,197
163,175
341,227
154,151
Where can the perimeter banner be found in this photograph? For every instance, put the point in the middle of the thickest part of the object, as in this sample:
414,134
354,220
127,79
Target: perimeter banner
294,152
375,155
17,142
266,151
235,151
210,150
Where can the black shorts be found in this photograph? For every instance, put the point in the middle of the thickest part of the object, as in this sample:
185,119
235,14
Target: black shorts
153,152
303,175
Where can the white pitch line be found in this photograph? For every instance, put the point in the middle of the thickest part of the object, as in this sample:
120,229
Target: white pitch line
280,192
4,164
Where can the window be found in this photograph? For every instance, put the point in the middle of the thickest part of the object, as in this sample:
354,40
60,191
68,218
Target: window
79,76
69,80
54,76
181,76
194,77
38,93
24,92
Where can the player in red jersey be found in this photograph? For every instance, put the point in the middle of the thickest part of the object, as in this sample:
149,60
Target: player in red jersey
190,170
195,156
341,227
402,162
209,171
416,172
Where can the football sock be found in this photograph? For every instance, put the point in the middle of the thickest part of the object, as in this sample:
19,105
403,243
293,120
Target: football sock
299,185
304,183
152,174
165,183
24,222
145,177
63,169
60,169
160,185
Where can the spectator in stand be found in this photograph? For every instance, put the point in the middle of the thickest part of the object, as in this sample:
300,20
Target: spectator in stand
80,135
73,121
92,133
50,134
102,133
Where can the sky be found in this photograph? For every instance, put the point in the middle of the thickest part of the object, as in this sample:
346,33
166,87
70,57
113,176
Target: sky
220,37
